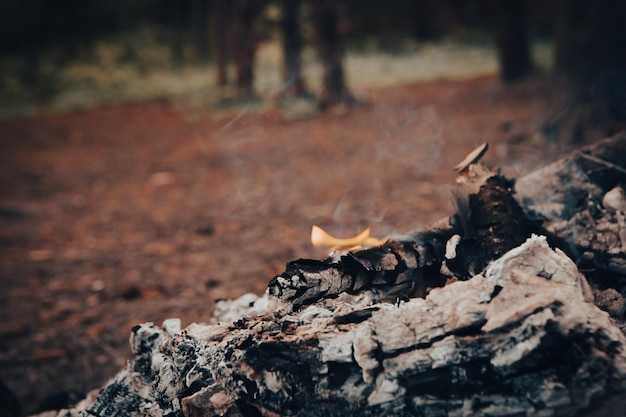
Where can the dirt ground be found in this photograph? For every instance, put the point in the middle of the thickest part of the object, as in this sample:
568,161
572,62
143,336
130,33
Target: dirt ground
138,213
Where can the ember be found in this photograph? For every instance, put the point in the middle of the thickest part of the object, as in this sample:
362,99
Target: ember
320,238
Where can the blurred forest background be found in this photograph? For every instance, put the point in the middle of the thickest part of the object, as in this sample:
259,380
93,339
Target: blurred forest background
157,155
76,54
73,54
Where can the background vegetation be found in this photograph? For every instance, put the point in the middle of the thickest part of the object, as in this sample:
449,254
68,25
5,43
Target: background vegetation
72,54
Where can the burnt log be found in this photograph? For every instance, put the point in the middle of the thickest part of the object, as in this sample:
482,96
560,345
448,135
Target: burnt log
564,201
581,201
509,342
521,338
402,267
488,223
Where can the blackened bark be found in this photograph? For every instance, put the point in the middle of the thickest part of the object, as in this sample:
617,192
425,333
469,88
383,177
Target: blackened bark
491,223
396,269
488,223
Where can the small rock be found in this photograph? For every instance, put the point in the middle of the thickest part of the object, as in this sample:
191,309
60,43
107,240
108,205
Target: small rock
172,326
615,200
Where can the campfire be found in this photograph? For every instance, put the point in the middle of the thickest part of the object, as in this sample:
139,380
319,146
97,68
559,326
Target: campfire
510,306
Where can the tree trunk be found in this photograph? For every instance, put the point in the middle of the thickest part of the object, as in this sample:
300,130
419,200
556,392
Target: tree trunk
220,23
522,336
589,45
174,19
244,44
512,39
292,48
199,20
326,21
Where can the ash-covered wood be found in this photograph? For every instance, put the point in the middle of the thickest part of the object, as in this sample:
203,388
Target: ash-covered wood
522,338
580,199
511,342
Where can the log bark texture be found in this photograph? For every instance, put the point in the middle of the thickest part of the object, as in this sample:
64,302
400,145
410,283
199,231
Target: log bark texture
581,200
522,337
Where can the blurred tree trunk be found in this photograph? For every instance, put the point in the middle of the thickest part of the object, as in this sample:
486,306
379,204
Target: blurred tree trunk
174,17
244,44
292,47
9,404
590,45
512,39
199,28
434,19
326,21
220,19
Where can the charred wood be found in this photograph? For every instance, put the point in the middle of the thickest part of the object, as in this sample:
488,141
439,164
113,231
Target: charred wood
491,223
488,223
580,199
398,268
510,342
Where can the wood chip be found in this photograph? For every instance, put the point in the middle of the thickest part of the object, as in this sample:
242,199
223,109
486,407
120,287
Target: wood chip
472,158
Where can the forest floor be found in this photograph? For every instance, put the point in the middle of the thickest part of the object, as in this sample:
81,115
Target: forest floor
137,213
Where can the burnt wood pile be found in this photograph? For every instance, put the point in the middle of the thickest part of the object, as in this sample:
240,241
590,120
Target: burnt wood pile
512,306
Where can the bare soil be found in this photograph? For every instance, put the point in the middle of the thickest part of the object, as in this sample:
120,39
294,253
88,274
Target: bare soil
135,213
